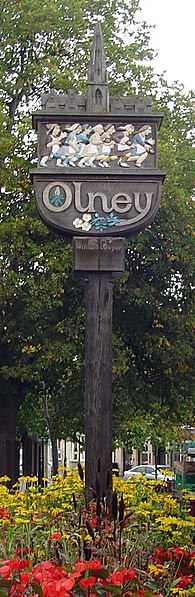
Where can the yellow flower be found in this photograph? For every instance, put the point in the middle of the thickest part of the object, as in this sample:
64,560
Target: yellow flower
142,511
5,521
166,522
20,520
157,569
179,592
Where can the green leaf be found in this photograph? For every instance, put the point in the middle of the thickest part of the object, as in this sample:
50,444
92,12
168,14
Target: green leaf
37,588
116,590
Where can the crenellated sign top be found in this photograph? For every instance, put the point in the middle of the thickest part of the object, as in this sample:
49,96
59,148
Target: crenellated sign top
97,158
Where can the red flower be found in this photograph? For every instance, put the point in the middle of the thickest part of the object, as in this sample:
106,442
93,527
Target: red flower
86,583
5,571
65,583
57,588
15,564
55,537
16,589
49,589
184,581
25,578
59,572
75,574
94,565
129,574
18,564
179,552
43,571
24,564
81,566
117,577
4,513
103,581
37,575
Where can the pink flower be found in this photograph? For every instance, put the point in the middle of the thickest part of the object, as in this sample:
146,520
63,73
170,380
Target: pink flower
5,571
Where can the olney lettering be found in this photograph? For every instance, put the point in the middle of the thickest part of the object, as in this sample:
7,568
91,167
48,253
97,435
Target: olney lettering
120,202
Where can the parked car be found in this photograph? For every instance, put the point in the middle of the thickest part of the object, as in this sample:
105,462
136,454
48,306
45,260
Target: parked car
164,473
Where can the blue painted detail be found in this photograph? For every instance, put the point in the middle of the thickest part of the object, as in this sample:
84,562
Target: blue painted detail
102,222
56,200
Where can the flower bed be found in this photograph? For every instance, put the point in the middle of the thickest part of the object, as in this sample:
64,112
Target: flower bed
53,545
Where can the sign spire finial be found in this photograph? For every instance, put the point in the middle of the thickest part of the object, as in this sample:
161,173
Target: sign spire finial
98,94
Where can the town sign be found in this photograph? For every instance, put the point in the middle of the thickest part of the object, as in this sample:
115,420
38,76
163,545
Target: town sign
97,168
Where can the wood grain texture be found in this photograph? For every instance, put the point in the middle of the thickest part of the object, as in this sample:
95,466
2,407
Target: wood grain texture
98,380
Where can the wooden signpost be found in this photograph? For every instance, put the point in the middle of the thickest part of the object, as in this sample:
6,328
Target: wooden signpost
97,181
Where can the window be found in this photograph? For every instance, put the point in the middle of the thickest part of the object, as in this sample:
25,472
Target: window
77,454
150,470
74,451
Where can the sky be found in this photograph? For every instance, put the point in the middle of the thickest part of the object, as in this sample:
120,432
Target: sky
173,38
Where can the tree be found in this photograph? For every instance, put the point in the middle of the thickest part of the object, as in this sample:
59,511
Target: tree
154,302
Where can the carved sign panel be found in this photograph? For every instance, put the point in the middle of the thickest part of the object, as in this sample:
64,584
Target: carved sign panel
95,206
99,144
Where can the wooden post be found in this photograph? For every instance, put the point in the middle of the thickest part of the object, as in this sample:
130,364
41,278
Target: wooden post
98,259
98,382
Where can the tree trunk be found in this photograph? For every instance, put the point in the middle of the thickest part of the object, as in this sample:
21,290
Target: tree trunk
12,395
54,453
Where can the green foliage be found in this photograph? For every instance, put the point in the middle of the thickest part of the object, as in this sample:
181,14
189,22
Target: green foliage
42,305
154,302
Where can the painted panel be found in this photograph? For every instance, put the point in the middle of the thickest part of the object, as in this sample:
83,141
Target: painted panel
115,206
97,145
